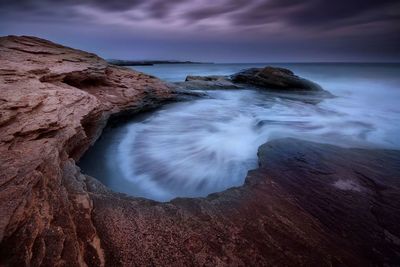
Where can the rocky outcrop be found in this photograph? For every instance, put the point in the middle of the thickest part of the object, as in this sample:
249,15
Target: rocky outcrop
213,82
54,102
121,62
275,79
272,79
307,205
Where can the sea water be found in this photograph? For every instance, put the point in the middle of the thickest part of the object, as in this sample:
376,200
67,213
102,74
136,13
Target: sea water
191,149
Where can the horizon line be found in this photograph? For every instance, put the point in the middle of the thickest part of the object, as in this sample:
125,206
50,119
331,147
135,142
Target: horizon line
260,62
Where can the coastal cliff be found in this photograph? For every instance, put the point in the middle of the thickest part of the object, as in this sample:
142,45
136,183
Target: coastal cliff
306,205
54,102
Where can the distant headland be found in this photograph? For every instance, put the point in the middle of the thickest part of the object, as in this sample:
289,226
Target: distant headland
121,62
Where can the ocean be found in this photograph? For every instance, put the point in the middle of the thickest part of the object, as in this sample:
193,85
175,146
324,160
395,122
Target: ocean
194,148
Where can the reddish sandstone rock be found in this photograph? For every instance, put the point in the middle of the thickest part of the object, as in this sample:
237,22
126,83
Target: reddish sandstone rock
54,102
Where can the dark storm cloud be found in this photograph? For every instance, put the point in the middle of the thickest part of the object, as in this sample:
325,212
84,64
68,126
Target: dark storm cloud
366,27
250,12
317,12
161,8
34,5
213,11
331,11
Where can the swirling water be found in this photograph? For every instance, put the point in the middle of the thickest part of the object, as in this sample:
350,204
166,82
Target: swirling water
194,148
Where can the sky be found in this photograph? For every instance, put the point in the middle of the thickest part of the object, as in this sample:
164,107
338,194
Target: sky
214,30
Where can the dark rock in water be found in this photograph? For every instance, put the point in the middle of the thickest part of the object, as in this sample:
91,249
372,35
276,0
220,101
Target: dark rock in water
206,78
212,82
274,78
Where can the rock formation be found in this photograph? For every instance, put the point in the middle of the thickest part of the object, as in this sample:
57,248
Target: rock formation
121,62
307,205
207,83
275,79
268,78
54,102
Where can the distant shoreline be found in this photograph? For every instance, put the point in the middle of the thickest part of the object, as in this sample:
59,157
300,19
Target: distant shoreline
120,62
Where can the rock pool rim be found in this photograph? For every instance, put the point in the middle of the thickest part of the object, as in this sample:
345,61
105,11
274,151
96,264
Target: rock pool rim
137,114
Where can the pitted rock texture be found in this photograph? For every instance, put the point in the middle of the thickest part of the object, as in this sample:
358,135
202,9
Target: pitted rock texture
307,205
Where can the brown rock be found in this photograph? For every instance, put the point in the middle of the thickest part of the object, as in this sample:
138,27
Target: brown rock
275,79
54,102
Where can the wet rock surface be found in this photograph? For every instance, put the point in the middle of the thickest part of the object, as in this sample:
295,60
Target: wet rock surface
275,78
307,205
353,193
293,210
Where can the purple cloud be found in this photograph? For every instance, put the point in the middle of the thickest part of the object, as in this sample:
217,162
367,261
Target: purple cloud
368,28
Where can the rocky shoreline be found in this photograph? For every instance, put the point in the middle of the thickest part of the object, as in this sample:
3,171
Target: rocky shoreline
267,78
308,204
121,62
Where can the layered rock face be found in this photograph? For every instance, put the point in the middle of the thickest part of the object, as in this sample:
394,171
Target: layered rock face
54,102
307,205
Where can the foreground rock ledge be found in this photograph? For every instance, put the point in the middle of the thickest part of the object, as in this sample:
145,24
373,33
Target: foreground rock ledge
308,204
